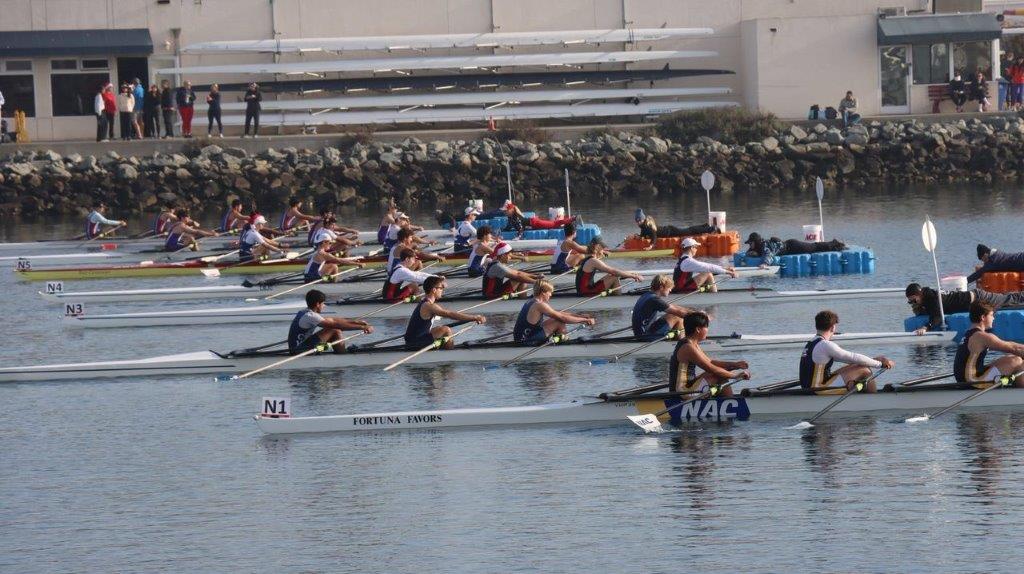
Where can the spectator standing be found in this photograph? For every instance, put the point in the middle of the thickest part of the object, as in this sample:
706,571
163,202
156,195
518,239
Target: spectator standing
139,92
253,97
1,105
186,99
213,111
848,109
151,112
1016,84
101,118
109,109
126,109
167,107
979,91
958,92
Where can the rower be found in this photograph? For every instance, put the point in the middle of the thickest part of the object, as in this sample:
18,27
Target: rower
499,278
390,218
407,240
969,363
483,250
164,219
925,301
993,260
690,274
317,225
402,222
252,244
402,280
294,215
324,264
569,253
586,285
687,356
303,334
234,218
419,334
820,353
329,229
183,232
466,232
96,220
654,317
538,321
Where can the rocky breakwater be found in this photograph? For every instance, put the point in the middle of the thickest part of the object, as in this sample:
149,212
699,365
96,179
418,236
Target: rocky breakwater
605,165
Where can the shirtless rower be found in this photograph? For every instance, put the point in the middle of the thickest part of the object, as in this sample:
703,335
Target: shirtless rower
690,274
969,363
586,283
303,334
389,218
820,353
95,221
252,244
183,232
538,320
402,281
925,301
406,240
324,264
419,333
500,279
163,221
687,356
654,317
465,232
234,218
294,216
569,253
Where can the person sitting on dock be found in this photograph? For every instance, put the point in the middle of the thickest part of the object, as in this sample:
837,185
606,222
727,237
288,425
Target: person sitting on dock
969,363
303,334
252,245
993,261
687,356
465,232
292,217
690,274
234,218
538,321
820,353
650,230
419,333
402,280
499,278
183,233
654,317
95,221
569,253
324,264
586,283
925,301
407,240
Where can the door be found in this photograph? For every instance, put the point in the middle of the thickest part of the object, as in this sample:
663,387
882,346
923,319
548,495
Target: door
895,75
130,68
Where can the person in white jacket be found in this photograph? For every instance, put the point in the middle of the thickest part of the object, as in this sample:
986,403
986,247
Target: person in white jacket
820,353
101,118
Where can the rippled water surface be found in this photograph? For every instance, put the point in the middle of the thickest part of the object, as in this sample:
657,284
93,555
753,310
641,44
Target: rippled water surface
170,474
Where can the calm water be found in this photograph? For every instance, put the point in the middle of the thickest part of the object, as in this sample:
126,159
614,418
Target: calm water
170,474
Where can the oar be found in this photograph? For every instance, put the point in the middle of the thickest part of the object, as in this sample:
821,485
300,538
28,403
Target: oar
650,423
327,278
604,293
105,233
373,294
1000,381
781,385
922,380
436,344
856,388
317,349
551,341
215,272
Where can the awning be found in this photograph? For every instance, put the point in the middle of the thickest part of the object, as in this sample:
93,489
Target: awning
133,41
936,29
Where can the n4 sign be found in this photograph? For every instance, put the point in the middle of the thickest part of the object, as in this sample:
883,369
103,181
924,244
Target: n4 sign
275,407
74,309
54,287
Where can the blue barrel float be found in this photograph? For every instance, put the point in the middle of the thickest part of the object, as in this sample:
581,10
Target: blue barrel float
1009,324
854,260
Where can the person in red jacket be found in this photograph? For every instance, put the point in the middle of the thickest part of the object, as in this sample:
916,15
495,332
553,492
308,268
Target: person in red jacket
1017,83
109,108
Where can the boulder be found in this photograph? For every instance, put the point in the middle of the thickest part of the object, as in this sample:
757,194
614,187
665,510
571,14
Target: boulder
797,132
770,143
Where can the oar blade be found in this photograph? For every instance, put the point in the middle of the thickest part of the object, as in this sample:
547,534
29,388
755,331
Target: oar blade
801,425
223,378
918,419
211,272
649,423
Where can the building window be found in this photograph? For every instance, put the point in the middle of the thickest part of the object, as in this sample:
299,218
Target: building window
971,57
931,64
95,64
64,64
74,94
18,66
19,95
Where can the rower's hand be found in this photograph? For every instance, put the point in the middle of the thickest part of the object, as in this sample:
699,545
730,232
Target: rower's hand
732,272
921,331
367,328
590,321
479,319
743,375
441,258
123,223
886,363
741,365
636,277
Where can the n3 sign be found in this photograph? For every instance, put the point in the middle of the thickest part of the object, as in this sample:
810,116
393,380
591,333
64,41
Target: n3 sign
275,407
74,309
54,287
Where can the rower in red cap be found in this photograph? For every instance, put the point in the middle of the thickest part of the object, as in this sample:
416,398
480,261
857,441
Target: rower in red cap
500,279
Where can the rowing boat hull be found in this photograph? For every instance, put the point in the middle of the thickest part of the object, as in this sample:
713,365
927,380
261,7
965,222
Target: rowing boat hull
281,312
208,362
193,268
596,411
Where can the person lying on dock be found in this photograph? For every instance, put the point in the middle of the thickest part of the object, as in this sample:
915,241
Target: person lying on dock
993,261
419,333
925,301
500,279
252,244
568,254
969,363
821,353
407,240
323,263
309,328
650,230
769,249
95,221
518,222
654,317
402,280
587,283
183,232
687,356
690,274
538,320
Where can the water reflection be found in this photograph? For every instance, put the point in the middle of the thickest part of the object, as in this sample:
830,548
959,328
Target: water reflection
827,444
976,435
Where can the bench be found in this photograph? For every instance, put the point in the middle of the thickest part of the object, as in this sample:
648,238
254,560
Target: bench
937,93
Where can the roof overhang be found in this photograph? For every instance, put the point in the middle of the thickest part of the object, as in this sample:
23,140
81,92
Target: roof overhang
938,28
133,41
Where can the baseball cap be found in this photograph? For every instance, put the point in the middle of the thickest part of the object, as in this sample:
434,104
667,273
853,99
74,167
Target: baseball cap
753,238
472,210
639,215
257,219
983,250
502,248
690,242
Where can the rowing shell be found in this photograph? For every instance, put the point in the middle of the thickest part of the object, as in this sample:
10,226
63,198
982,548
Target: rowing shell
258,290
209,362
793,403
257,313
259,267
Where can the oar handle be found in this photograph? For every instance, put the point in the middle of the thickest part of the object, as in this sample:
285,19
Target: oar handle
857,387
436,344
320,280
315,349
